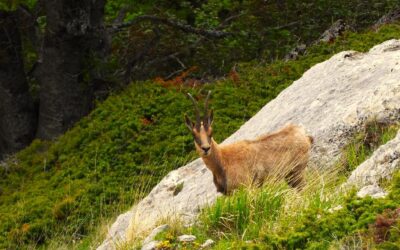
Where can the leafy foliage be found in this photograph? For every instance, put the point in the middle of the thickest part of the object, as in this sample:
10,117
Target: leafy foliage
10,5
262,30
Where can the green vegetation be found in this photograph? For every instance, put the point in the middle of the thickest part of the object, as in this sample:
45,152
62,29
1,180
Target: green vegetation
365,143
12,4
262,30
62,191
319,217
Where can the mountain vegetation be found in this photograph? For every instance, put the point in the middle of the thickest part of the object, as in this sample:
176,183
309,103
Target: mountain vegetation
59,57
92,103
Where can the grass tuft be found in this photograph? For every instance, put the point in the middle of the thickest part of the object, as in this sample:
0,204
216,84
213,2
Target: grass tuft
366,142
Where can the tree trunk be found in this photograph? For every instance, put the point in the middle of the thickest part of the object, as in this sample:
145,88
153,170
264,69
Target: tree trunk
74,35
17,111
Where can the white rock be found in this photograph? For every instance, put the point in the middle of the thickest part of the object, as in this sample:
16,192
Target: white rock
207,243
117,233
371,190
332,100
152,245
381,165
154,233
333,209
186,238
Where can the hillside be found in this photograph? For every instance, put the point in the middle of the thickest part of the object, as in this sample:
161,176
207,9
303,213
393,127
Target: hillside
349,104
57,194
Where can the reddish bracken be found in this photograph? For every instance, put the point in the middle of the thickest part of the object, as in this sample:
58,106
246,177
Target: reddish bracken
178,80
383,223
277,155
234,75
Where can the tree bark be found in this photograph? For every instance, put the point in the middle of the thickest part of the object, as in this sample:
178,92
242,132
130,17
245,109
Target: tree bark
17,111
74,37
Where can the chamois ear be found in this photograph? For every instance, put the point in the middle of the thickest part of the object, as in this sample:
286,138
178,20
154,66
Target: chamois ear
189,124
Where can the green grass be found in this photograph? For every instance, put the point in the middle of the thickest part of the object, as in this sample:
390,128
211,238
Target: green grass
251,215
244,213
59,193
365,143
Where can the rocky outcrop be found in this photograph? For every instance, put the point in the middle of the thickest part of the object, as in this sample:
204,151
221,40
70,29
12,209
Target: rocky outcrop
391,17
333,100
295,53
380,166
207,243
331,34
186,238
154,233
372,190
335,31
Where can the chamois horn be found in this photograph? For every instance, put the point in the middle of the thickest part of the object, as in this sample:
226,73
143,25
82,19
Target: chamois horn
206,113
196,107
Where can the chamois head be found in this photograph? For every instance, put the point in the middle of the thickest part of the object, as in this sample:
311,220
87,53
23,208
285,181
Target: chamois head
201,129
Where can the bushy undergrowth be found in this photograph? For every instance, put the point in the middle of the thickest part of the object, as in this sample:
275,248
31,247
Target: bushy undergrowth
322,216
61,191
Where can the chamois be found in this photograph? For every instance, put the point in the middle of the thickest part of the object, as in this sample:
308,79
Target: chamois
281,155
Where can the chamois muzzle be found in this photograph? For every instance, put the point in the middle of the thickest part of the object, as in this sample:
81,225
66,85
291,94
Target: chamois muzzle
205,149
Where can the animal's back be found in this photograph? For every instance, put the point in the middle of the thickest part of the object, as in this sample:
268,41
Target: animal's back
276,153
283,152
290,131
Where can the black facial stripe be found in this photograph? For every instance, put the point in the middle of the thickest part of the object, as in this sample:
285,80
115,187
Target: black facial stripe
197,140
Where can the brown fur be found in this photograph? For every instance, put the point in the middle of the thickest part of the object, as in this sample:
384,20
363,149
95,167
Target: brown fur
282,154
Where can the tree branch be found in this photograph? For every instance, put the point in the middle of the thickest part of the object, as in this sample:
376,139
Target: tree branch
172,23
174,55
229,20
284,26
120,17
193,45
132,63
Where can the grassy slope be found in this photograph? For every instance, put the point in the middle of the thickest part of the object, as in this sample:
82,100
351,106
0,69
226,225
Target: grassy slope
276,217
62,190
